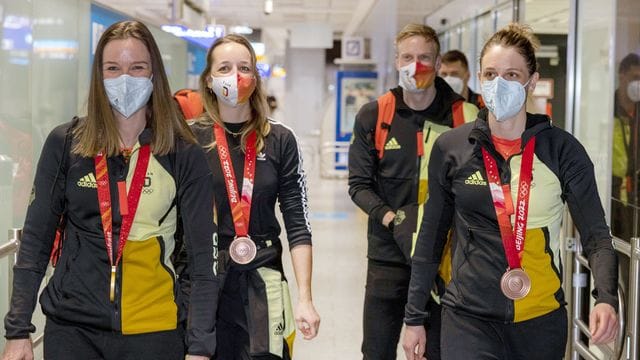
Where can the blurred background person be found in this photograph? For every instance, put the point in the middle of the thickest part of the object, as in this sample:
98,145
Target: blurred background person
455,71
625,162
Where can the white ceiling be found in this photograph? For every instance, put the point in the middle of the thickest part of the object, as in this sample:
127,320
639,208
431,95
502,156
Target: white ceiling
336,13
545,16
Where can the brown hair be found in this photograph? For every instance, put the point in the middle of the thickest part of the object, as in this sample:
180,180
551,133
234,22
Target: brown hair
419,30
629,61
99,131
257,101
519,37
452,56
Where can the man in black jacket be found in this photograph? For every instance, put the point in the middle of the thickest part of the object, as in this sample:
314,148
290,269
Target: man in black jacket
388,157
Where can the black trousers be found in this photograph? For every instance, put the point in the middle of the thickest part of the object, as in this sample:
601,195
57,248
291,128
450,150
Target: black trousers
466,337
384,301
71,342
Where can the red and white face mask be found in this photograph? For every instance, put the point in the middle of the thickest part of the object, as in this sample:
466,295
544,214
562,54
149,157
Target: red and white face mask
233,89
416,77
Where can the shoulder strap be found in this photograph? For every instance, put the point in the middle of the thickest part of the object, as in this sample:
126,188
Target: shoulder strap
457,110
480,101
386,112
56,249
66,152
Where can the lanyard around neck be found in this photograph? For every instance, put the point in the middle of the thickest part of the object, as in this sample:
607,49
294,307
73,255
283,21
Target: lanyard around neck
512,241
240,206
128,205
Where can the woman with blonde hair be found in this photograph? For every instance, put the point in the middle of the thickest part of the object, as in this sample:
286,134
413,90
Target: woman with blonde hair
256,162
119,177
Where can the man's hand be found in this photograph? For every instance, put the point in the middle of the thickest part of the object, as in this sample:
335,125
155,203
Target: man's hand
414,342
307,319
603,324
388,218
18,349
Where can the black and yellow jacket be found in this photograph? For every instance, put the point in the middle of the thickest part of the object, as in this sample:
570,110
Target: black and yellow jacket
398,179
147,294
459,195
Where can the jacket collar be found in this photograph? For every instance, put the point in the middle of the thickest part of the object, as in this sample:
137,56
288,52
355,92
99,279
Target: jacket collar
481,133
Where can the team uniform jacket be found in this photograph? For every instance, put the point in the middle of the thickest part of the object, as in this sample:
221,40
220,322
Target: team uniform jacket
147,294
279,176
381,185
459,195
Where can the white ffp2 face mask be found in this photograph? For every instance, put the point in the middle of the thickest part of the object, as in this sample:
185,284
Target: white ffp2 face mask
455,83
633,90
503,98
128,94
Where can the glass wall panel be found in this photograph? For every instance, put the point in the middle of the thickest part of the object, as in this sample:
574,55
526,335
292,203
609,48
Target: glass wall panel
625,162
595,73
504,14
626,147
15,123
469,47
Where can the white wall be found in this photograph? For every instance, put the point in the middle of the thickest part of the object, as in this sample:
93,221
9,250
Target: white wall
304,89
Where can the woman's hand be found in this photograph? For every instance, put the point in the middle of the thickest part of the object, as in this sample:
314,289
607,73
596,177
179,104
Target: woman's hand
414,342
307,319
603,324
18,349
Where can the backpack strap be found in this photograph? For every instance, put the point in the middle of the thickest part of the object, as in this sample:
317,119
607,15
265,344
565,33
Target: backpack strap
457,110
386,112
56,249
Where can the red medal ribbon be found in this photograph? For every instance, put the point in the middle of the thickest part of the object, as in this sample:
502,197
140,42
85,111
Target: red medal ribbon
240,206
104,200
513,241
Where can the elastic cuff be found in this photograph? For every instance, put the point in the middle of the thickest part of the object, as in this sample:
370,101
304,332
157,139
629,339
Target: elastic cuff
380,213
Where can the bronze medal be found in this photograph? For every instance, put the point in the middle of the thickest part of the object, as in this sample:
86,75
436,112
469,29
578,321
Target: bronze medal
242,250
515,284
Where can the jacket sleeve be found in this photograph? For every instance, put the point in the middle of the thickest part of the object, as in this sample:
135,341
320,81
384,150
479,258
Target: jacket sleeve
581,194
436,222
363,164
292,192
195,200
43,214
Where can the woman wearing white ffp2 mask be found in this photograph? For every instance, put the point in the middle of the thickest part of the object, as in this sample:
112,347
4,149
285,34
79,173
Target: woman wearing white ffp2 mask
508,177
504,98
128,94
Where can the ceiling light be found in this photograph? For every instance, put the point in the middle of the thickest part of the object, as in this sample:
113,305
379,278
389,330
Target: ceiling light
268,7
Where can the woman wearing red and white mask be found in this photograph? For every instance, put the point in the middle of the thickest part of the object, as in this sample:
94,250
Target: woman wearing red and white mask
256,162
